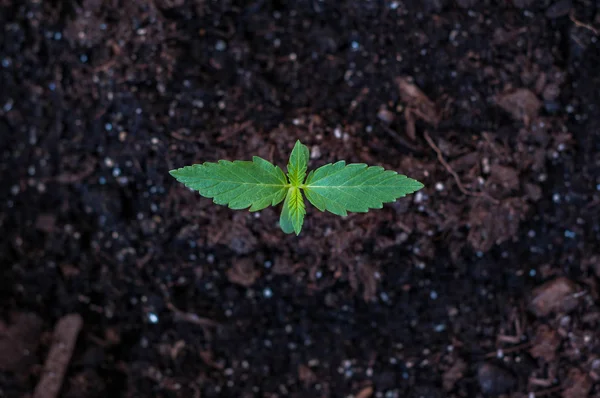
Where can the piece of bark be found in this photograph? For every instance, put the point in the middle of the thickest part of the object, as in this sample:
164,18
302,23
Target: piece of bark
522,104
420,104
63,343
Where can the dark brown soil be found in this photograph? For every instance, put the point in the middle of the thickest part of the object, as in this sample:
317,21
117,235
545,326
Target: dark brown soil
485,283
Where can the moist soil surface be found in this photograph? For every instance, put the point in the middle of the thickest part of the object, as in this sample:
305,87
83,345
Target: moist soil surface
485,283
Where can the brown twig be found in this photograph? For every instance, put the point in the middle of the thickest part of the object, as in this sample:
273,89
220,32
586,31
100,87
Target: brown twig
399,138
582,24
63,343
191,318
178,136
450,170
229,131
508,350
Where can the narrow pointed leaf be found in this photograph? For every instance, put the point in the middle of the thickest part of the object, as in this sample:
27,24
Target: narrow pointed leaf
293,212
340,188
297,164
239,184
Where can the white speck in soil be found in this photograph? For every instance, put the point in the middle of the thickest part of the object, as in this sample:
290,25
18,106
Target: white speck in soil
418,197
116,172
52,86
8,105
108,162
108,127
220,45
267,292
315,152
433,295
31,170
152,317
337,132
6,62
318,274
556,198
440,327
570,234
57,36
439,186
355,45
83,58
14,190
384,297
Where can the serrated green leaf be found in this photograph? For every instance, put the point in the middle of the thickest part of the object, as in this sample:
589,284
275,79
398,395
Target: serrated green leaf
293,212
340,188
239,184
297,164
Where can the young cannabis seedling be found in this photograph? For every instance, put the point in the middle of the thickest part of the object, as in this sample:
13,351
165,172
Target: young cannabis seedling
335,187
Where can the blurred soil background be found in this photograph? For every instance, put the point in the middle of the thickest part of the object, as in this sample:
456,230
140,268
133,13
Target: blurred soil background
485,283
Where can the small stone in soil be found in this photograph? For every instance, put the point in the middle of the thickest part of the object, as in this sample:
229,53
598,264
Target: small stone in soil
494,380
